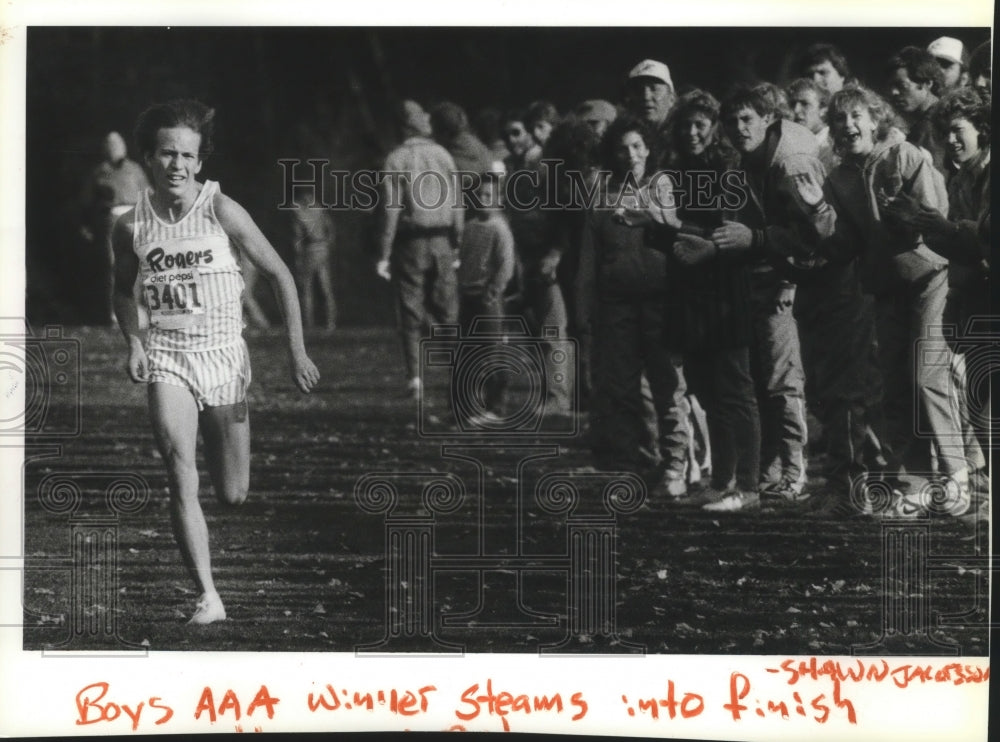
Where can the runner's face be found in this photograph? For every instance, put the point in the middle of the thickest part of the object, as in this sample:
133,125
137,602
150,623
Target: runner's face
963,140
175,160
806,110
697,132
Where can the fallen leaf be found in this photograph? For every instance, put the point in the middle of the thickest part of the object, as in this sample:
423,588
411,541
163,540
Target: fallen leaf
662,574
793,609
319,608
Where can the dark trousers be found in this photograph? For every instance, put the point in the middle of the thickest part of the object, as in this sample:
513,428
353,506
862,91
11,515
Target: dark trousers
629,340
423,274
722,382
843,382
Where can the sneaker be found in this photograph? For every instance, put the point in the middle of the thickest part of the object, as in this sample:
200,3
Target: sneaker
209,609
959,496
734,501
905,506
675,483
415,388
788,488
484,419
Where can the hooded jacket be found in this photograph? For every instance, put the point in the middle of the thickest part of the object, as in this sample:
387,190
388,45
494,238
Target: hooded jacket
891,252
783,224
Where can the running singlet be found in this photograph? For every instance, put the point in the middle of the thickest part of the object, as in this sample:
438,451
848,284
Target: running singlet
190,277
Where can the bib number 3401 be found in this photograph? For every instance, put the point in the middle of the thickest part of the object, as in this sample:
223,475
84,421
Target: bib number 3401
174,300
173,296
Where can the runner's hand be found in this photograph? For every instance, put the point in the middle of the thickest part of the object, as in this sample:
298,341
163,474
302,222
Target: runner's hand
304,372
382,268
138,365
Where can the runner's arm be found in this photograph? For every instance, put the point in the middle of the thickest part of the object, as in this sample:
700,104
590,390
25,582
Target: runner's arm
126,270
242,230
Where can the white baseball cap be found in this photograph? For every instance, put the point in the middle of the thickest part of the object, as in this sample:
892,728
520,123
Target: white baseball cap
654,69
948,48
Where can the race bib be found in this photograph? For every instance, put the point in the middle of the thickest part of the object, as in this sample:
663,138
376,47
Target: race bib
174,298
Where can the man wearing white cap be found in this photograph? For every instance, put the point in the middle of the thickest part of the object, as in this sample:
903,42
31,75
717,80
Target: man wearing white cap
649,92
954,61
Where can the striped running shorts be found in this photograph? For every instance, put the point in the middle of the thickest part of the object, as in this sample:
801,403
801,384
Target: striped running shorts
215,377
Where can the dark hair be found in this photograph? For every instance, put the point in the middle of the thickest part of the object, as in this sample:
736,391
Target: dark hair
448,120
968,104
795,88
193,114
541,110
512,115
878,108
819,53
613,137
575,143
757,97
920,65
981,60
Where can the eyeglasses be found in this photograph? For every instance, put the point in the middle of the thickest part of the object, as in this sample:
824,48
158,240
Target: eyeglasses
513,133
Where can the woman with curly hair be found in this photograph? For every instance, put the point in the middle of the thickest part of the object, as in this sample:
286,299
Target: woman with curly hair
878,176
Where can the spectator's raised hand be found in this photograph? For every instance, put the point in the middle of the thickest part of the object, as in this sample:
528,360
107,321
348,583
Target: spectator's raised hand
808,188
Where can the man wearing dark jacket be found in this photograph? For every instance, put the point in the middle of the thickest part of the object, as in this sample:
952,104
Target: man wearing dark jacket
773,222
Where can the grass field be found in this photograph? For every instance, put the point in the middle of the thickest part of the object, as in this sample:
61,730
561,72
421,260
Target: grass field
302,567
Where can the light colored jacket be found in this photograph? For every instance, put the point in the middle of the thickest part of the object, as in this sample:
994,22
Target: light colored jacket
890,252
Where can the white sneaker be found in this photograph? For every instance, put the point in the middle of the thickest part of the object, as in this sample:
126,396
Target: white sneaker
209,609
734,501
484,419
958,498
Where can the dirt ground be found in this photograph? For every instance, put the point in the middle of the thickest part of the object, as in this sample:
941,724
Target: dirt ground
302,567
